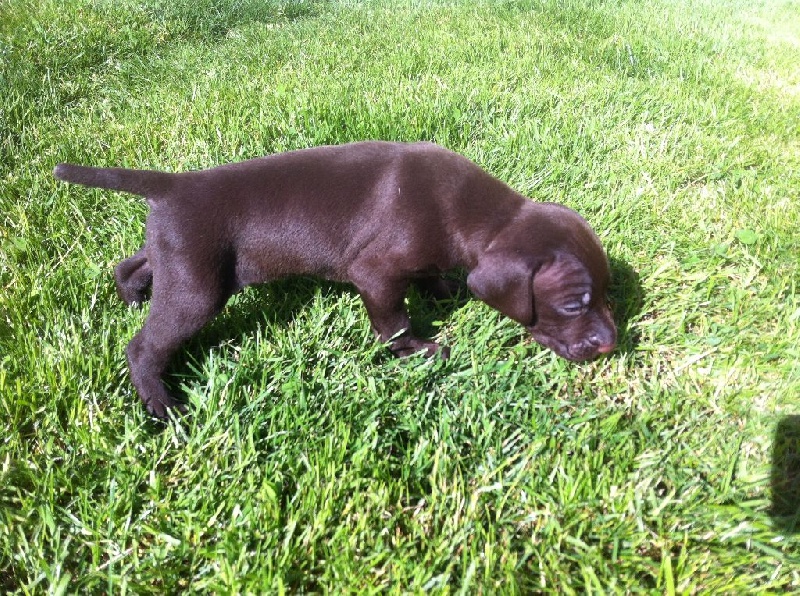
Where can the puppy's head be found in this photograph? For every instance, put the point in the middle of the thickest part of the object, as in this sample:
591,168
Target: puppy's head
554,283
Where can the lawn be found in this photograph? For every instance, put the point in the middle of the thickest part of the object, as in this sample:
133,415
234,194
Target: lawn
313,461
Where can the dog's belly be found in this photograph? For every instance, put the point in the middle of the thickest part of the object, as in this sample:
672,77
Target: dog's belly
282,253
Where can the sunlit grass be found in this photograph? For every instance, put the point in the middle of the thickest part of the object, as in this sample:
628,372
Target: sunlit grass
313,461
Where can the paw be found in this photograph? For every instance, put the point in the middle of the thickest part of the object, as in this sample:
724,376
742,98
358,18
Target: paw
164,409
405,347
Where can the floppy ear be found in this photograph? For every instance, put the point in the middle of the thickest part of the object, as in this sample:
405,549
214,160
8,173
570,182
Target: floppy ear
505,283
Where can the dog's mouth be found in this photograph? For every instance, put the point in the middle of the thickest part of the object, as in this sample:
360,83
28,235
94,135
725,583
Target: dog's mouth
581,351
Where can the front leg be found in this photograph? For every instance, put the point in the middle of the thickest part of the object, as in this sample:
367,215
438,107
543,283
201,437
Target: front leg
384,299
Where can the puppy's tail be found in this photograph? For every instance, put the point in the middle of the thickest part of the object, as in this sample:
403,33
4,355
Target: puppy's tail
140,182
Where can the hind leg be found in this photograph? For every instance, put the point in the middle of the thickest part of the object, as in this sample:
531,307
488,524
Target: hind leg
134,277
182,303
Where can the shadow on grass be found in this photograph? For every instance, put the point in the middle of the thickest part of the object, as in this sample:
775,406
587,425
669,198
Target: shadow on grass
626,296
276,303
785,475
280,302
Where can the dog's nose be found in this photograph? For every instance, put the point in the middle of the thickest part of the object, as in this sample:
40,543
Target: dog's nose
606,348
603,342
604,337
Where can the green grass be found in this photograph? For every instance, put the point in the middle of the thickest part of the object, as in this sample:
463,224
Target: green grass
313,460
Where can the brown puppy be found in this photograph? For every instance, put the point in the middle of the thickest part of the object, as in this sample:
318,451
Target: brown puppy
378,215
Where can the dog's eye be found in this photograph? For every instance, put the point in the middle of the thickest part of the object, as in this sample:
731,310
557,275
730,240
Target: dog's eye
576,305
572,309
